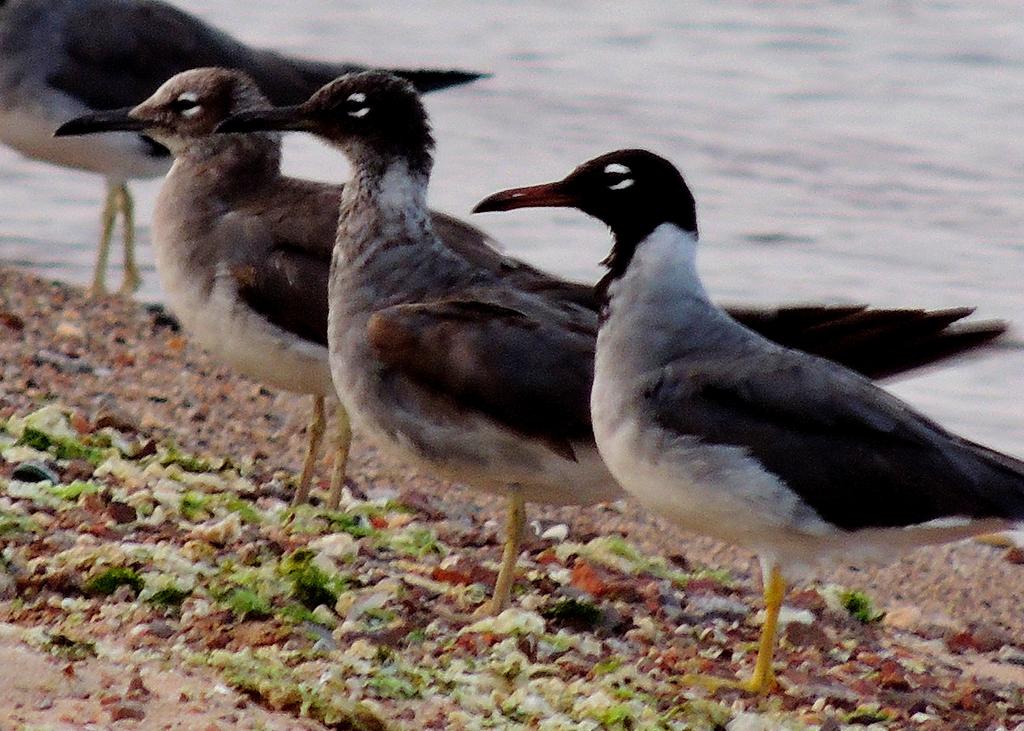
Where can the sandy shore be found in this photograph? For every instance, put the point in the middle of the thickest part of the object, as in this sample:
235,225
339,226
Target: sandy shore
954,611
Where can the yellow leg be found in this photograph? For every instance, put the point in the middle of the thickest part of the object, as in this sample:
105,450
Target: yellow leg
108,218
132,278
343,443
510,555
763,679
316,434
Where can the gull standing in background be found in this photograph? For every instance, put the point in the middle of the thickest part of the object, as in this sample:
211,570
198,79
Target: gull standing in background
243,251
63,58
463,370
726,433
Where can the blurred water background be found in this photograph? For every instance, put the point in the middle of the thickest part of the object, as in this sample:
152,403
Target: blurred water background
839,151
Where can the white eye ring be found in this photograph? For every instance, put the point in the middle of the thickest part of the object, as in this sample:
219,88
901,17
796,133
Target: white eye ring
621,185
360,112
615,168
190,98
357,98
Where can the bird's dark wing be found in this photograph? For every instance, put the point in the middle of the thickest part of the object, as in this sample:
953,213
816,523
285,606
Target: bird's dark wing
855,454
530,373
288,288
118,52
282,278
877,343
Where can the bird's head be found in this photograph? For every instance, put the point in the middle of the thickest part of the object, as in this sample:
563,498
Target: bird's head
371,114
624,189
632,191
188,106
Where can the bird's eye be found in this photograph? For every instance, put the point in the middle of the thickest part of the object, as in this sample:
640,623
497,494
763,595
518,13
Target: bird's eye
356,105
186,104
618,176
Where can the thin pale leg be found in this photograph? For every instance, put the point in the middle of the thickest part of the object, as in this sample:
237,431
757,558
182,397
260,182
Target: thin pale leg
763,679
343,443
316,435
108,218
132,278
510,555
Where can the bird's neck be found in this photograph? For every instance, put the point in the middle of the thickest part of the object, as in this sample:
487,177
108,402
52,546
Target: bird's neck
248,161
658,307
383,206
663,264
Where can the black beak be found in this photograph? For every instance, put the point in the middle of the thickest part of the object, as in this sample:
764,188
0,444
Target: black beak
113,120
549,195
281,119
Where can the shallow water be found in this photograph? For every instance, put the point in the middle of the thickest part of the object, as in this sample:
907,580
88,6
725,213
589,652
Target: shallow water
839,151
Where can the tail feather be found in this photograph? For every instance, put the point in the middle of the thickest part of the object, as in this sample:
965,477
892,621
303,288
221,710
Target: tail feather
878,343
288,80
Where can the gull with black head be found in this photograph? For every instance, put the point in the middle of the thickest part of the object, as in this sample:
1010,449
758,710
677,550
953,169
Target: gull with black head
242,251
475,373
63,58
726,433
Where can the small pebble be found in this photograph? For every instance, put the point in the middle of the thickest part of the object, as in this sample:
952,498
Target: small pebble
68,331
160,628
126,710
64,363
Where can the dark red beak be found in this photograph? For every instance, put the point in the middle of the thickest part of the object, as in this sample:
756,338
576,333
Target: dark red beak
549,195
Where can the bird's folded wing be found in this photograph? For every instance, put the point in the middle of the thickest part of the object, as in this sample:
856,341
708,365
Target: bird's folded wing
855,454
527,372
282,281
117,54
876,343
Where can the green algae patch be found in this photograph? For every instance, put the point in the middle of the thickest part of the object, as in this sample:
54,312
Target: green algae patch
619,554
866,715
170,454
194,506
247,604
702,715
310,520
61,447
12,524
235,504
108,581
860,607
311,585
68,648
414,541
355,525
75,490
264,676
169,597
575,613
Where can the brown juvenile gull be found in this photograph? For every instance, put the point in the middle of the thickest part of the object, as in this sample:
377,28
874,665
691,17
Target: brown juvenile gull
726,433
242,251
460,369
63,58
